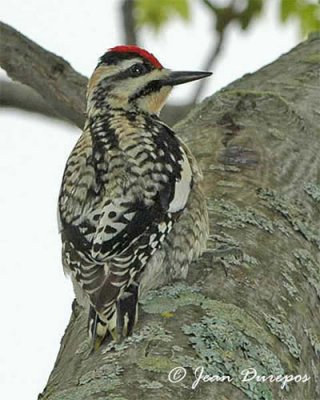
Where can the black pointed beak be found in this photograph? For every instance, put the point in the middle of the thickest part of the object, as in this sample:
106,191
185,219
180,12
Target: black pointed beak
179,77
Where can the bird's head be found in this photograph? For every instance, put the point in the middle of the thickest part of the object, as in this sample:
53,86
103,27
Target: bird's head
129,77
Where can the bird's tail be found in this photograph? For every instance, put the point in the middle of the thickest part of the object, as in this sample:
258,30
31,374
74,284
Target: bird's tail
122,317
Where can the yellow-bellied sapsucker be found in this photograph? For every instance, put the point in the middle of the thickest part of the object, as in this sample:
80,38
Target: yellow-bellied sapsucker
131,211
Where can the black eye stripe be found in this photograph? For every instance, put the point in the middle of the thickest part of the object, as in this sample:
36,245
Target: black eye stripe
133,71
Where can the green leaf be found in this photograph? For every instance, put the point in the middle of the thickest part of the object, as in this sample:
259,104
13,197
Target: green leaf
307,12
287,8
182,8
309,15
253,9
157,13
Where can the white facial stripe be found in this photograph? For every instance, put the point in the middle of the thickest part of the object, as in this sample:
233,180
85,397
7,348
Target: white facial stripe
105,71
123,65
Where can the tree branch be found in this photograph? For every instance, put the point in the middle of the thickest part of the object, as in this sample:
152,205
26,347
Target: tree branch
128,22
51,76
208,65
16,95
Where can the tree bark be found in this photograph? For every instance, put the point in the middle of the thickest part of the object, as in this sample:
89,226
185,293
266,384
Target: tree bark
48,74
252,300
16,95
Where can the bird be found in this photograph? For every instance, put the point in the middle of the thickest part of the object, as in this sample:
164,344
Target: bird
131,210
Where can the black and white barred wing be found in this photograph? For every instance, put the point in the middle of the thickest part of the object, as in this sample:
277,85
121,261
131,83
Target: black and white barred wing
113,217
137,222
78,185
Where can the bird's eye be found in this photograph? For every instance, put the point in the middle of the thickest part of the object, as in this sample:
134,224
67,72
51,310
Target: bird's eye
138,69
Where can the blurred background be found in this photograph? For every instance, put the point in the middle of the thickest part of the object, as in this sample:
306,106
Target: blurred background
228,37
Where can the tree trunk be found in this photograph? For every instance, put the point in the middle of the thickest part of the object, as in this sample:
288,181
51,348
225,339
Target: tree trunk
252,301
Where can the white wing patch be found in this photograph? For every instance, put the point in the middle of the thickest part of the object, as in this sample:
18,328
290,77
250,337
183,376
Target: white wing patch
59,220
182,187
